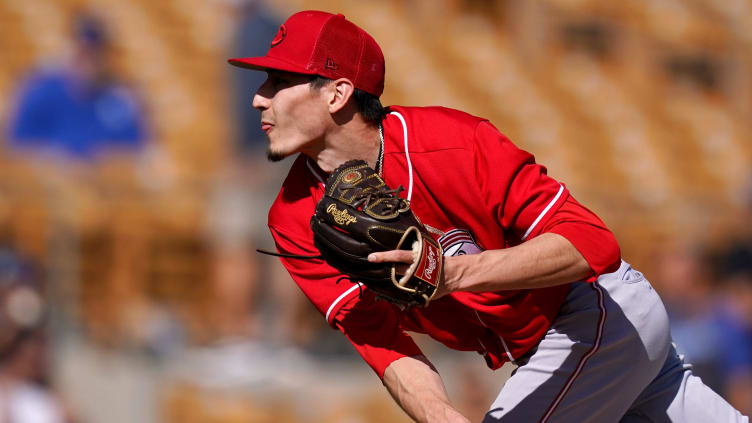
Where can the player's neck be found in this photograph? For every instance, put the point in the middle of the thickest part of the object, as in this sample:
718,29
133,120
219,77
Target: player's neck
354,140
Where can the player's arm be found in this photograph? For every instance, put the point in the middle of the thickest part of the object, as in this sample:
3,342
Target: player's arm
373,329
547,260
561,240
417,387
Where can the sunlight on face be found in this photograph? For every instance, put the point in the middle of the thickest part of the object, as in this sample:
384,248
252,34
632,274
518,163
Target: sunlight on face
293,115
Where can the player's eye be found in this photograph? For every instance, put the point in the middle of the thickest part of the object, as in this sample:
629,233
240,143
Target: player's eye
278,82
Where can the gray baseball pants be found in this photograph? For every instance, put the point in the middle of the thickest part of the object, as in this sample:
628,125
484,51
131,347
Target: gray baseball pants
608,357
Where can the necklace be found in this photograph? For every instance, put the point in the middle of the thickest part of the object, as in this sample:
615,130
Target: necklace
380,163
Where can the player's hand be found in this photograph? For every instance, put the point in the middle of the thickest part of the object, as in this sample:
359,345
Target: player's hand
404,259
360,214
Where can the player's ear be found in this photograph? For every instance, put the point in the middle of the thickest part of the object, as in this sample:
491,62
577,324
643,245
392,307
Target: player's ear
341,91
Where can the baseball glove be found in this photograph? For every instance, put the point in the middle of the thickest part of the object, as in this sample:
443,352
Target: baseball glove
359,214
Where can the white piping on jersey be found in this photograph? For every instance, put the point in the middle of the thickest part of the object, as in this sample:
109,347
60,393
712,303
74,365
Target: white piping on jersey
543,213
503,343
407,155
352,288
316,174
596,345
409,197
344,294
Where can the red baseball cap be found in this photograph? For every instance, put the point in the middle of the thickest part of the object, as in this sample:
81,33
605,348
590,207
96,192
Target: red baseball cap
319,43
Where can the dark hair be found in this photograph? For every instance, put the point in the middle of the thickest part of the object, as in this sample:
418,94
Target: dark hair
369,105
90,31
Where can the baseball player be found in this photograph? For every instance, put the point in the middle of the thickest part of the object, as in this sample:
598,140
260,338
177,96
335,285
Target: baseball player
530,275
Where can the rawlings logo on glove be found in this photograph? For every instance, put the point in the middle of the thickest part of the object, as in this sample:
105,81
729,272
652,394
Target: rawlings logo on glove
340,216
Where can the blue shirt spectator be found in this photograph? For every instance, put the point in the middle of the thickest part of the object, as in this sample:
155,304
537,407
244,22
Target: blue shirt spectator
79,110
716,341
60,112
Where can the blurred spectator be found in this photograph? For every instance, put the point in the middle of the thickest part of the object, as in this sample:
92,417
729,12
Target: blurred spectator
252,38
78,109
707,328
244,190
733,267
235,270
23,369
252,293
738,387
735,259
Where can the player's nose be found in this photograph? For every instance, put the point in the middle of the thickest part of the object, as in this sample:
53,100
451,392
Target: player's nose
261,98
260,102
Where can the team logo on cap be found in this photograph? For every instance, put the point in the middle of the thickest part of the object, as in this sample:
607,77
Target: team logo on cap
281,34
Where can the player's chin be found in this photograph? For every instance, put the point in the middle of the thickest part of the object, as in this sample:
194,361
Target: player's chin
275,156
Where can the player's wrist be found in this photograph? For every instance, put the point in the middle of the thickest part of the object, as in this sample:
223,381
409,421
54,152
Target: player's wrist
457,273
443,412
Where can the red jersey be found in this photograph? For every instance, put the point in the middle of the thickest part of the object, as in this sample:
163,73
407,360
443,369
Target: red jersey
474,190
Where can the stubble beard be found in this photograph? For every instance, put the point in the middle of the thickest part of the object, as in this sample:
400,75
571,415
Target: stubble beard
274,156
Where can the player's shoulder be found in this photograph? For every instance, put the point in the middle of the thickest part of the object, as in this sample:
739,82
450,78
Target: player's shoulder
295,198
438,117
439,128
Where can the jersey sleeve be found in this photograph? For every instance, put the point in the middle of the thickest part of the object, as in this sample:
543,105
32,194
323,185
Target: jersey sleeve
588,234
527,202
372,326
318,281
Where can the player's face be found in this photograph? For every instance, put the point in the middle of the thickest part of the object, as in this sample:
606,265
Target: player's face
293,115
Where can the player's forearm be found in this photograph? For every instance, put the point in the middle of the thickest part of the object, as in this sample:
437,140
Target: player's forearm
546,260
419,390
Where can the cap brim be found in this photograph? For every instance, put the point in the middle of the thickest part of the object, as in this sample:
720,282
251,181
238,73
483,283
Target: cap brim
265,62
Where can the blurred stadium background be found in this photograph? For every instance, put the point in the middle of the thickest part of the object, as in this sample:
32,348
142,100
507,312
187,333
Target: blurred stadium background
154,307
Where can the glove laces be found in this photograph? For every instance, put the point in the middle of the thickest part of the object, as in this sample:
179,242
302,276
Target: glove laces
292,256
389,197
